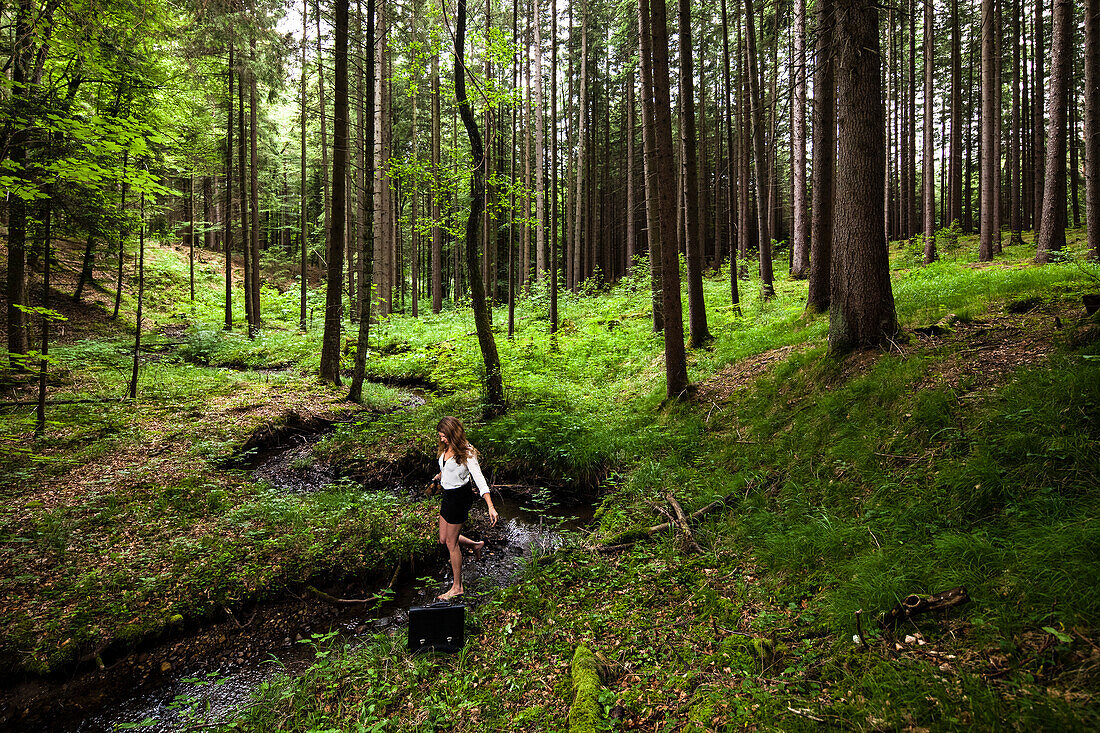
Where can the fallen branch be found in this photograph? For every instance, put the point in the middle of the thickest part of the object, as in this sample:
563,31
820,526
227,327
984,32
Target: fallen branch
631,536
682,522
914,605
338,601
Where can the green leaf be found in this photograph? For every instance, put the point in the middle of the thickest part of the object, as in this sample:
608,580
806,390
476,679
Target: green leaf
1060,635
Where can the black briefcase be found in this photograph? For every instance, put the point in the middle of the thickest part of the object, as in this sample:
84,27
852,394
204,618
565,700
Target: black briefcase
440,627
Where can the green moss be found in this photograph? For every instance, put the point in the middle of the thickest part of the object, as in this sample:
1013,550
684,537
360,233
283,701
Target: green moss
584,713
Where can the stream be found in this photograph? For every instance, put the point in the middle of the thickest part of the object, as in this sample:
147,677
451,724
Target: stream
205,676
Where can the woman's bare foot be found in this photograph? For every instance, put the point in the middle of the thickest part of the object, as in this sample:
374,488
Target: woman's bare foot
449,595
478,547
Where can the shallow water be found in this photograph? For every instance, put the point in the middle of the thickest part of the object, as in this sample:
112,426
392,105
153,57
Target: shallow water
207,694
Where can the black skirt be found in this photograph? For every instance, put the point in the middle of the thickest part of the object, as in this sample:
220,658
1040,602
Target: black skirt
455,507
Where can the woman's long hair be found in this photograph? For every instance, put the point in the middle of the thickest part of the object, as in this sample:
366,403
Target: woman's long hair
456,438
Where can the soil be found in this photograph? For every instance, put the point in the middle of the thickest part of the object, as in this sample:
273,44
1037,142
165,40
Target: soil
983,352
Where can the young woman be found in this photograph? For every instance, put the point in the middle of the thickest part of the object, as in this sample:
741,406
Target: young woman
459,473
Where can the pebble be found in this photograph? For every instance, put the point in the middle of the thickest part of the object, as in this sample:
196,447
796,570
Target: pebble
165,667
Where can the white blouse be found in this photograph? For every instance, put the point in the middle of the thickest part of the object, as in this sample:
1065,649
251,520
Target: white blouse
453,474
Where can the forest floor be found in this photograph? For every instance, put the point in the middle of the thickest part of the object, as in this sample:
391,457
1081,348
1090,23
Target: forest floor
965,455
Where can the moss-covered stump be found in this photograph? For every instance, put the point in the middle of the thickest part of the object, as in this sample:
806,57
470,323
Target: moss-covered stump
584,714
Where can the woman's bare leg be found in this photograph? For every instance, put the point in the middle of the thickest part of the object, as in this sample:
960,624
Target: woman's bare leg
448,536
465,541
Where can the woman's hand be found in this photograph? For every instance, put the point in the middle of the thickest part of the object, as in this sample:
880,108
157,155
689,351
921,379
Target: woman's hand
493,515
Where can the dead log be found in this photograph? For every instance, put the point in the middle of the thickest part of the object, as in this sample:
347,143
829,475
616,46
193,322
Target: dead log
682,522
914,605
333,600
628,537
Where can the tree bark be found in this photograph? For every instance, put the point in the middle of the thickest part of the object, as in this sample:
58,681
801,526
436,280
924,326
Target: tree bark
760,158
675,357
140,302
955,172
1092,125
1038,110
242,182
437,224
732,158
697,311
540,152
303,322
649,154
861,310
228,213
1052,231
989,222
824,160
928,183
800,235
366,208
494,383
254,179
330,344
17,207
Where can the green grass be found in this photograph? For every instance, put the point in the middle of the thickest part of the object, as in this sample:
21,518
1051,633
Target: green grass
855,482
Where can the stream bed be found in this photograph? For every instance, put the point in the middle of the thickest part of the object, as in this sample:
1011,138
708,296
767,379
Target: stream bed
205,675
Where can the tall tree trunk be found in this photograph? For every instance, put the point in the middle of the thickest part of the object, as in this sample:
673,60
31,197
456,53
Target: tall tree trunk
303,323
904,94
254,180
512,180
17,208
554,243
366,207
540,151
1038,130
675,357
580,200
955,172
1015,203
911,116
87,265
990,216
242,181
326,199
1074,169
436,190
929,174
731,174
824,160
190,234
44,351
968,178
140,303
630,111
800,234
759,143
228,213
1092,125
697,311
652,179
414,214
861,310
1052,231
494,383
330,344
